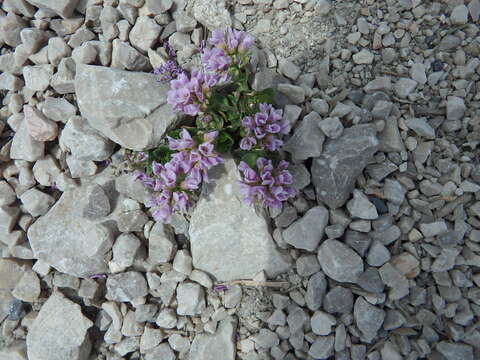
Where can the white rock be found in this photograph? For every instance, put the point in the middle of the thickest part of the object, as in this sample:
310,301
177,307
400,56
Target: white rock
105,98
38,126
37,77
363,57
24,147
238,234
36,202
84,142
59,331
144,33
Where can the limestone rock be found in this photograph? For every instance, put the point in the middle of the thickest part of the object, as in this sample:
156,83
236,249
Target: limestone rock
212,14
84,142
334,173
38,126
59,331
208,346
68,242
24,147
234,243
127,107
339,262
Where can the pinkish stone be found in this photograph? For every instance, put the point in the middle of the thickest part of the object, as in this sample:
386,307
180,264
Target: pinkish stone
407,264
38,126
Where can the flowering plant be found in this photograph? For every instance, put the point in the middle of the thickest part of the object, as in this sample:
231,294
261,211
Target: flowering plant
229,117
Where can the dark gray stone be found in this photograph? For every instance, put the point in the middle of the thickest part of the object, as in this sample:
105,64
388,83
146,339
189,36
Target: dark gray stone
334,173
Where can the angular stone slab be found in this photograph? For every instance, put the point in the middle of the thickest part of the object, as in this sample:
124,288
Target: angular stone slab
334,173
129,108
228,238
70,243
59,332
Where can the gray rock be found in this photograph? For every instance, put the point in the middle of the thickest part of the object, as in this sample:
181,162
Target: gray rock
446,260
10,28
307,232
266,339
183,262
162,351
322,348
127,286
98,204
68,242
209,346
322,323
125,249
7,195
233,296
421,127
307,140
238,234
455,351
334,173
368,318
383,83
404,86
59,331
167,318
455,108
332,127
338,300
63,81
417,73
158,7
126,185
361,207
296,319
289,69
394,191
57,50
64,8
296,94
37,77
87,54
161,244
434,228
28,287
8,217
144,33
190,299
105,98
459,15
390,138
395,280
36,202
339,262
378,254
126,57
58,109
363,57
24,147
133,220
357,241
33,39
307,265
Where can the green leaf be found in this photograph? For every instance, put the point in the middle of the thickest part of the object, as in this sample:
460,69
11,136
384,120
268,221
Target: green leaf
224,142
161,154
265,96
251,158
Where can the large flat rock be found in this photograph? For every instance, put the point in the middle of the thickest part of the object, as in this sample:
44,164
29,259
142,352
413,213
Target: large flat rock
59,332
229,239
68,241
335,171
129,108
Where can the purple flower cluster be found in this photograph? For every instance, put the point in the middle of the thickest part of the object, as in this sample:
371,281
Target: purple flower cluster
232,41
184,173
187,94
271,186
170,70
264,129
